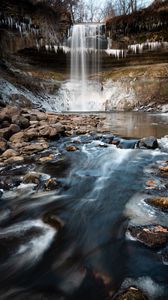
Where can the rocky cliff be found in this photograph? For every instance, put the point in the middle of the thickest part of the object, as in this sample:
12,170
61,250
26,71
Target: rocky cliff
31,24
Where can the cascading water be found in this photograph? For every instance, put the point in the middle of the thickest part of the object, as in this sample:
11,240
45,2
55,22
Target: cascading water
85,43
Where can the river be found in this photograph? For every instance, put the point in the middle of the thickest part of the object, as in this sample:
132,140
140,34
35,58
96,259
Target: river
102,191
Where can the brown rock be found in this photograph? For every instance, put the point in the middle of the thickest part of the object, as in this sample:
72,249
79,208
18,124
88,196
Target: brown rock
17,137
131,293
14,159
71,148
160,202
41,116
9,153
34,148
152,236
46,158
32,133
51,184
163,168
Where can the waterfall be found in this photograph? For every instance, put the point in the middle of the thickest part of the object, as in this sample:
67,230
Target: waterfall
85,45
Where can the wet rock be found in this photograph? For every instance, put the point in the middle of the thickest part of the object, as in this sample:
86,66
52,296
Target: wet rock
53,221
3,145
8,183
131,293
32,177
160,202
164,169
51,184
71,148
148,142
127,144
46,158
152,236
9,153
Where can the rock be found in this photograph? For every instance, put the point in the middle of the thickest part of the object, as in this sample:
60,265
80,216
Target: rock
5,133
51,184
32,177
71,148
160,202
45,131
163,168
46,158
53,221
148,142
9,153
17,137
152,236
34,148
9,182
164,254
127,144
131,293
5,124
23,122
41,116
3,145
14,129
14,159
32,133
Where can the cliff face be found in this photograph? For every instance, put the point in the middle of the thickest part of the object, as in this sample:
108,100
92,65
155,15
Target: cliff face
27,24
147,24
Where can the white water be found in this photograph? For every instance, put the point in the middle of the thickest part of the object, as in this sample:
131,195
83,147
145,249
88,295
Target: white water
85,60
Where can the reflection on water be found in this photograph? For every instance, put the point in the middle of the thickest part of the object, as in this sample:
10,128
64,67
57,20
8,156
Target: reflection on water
137,124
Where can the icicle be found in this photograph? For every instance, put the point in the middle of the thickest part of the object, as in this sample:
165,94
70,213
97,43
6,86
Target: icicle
47,47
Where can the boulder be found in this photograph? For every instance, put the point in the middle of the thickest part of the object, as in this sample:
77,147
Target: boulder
14,129
159,202
152,236
131,293
148,142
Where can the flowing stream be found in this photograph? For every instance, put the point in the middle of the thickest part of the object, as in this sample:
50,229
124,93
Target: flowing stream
103,190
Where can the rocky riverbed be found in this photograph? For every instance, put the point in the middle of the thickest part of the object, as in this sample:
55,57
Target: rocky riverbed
73,195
